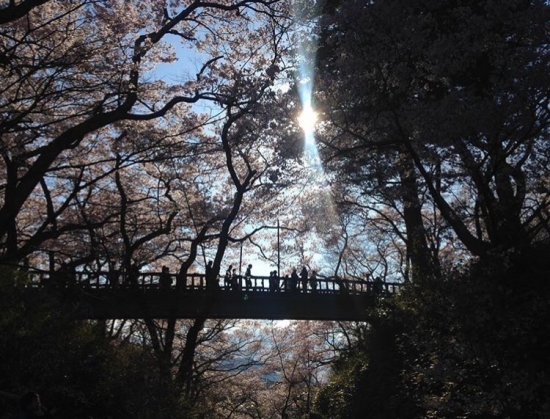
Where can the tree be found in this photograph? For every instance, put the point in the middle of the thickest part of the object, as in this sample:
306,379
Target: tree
472,343
294,359
447,116
436,125
81,75
99,118
365,379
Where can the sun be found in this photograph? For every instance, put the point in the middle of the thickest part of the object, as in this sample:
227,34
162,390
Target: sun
307,119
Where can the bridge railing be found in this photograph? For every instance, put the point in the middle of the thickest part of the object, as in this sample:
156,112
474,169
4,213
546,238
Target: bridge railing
198,282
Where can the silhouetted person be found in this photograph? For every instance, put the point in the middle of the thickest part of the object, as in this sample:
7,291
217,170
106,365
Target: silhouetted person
248,276
378,285
133,274
113,278
273,281
313,281
67,275
235,281
303,276
294,278
32,408
367,281
341,285
286,283
227,278
165,281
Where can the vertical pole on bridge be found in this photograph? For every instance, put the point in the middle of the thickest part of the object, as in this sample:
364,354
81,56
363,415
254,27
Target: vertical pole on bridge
241,259
278,252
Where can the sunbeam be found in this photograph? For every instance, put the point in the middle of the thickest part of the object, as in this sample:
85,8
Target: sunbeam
308,117
318,188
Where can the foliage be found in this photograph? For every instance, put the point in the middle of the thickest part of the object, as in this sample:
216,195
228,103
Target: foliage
366,379
88,106
476,346
70,364
254,369
436,122
434,141
85,115
435,133
472,345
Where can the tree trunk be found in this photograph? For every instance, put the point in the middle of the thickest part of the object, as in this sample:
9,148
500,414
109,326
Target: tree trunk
184,375
417,245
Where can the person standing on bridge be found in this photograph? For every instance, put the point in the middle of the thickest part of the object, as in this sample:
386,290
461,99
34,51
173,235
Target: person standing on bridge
133,274
165,281
211,282
227,278
313,281
378,285
294,278
67,275
273,281
304,277
248,277
235,281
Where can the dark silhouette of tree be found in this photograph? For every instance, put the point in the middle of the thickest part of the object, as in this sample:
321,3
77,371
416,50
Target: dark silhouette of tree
443,109
436,125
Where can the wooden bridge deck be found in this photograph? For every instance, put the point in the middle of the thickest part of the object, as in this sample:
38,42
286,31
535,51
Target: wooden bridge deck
100,298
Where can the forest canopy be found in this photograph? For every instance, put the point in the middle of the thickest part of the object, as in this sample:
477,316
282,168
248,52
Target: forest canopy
135,135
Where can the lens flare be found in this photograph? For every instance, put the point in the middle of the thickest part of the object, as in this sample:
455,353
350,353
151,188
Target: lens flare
308,119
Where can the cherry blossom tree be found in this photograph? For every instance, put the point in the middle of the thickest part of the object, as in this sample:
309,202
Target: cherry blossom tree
295,358
81,76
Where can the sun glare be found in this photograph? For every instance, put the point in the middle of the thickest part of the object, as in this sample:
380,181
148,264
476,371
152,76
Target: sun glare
307,119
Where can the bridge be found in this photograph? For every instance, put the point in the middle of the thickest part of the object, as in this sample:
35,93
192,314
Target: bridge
103,296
